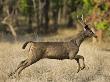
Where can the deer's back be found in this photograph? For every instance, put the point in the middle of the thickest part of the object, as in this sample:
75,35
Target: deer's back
54,50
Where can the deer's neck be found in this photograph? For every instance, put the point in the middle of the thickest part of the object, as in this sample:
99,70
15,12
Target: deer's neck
79,39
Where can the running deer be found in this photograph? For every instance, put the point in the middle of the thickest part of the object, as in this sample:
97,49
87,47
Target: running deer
55,50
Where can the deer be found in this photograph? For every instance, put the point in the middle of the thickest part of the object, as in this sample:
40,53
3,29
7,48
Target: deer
55,50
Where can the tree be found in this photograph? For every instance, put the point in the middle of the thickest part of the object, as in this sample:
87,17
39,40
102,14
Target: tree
43,15
30,14
10,18
100,21
36,13
1,9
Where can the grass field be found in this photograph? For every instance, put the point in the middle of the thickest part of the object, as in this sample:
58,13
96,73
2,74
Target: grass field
97,69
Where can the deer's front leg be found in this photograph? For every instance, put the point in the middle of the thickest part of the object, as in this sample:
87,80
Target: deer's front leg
78,64
72,56
77,57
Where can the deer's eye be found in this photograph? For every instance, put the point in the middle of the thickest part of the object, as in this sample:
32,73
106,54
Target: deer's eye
92,32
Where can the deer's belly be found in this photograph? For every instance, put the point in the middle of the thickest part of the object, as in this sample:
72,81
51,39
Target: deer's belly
56,53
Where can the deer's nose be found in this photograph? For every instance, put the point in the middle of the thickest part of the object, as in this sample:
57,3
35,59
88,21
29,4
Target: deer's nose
95,36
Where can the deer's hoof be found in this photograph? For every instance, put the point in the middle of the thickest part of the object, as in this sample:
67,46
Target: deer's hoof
10,74
82,67
12,77
78,70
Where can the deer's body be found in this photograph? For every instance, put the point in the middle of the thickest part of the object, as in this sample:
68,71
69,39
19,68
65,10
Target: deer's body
55,50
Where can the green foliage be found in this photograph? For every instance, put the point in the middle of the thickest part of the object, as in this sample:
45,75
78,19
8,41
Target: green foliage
56,3
75,4
102,25
76,8
23,7
103,7
108,31
87,6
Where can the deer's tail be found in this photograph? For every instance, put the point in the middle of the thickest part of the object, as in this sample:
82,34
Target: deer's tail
25,44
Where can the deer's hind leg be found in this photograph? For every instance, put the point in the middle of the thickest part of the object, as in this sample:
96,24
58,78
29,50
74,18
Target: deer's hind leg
20,64
23,66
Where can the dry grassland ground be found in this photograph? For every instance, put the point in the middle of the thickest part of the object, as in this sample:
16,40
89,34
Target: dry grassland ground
51,70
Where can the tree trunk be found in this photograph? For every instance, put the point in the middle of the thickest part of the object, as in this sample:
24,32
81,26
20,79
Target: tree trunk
10,26
10,18
46,17
40,14
70,21
13,31
100,36
30,12
36,12
59,16
43,15
1,9
64,14
55,20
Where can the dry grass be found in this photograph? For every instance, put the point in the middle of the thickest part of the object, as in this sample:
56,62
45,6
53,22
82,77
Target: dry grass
51,70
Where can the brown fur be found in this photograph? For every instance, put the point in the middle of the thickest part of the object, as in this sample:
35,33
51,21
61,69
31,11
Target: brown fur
55,50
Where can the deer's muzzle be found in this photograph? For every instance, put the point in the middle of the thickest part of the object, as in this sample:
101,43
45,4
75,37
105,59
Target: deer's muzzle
95,36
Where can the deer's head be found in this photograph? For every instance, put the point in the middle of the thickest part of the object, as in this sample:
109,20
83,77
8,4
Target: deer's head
87,31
